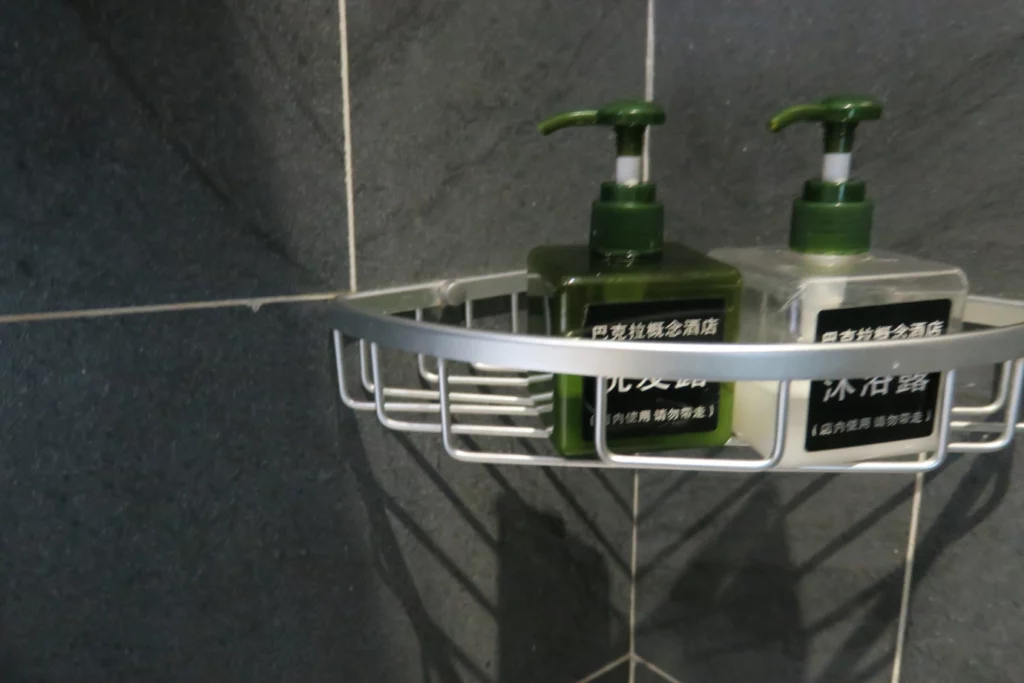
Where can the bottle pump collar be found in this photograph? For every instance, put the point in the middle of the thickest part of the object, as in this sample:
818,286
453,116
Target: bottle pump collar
834,214
626,219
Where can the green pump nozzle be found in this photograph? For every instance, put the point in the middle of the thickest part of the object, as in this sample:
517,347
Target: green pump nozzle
834,215
626,220
629,118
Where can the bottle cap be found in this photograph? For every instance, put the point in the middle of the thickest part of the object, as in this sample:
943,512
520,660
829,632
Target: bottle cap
833,216
626,219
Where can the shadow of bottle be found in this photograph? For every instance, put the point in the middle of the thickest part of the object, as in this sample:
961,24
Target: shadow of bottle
554,614
733,613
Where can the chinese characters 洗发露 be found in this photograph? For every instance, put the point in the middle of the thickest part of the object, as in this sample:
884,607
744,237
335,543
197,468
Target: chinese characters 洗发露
839,390
874,422
916,330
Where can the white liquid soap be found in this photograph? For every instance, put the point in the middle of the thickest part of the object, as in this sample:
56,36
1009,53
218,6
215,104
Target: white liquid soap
829,287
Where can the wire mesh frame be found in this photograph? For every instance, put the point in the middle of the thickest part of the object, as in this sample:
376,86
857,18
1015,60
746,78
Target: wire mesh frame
447,405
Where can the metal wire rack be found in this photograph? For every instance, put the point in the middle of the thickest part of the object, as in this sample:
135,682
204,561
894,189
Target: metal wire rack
474,383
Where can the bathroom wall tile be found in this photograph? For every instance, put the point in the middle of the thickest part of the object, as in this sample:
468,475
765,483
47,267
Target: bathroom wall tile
943,181
183,493
525,570
451,175
169,151
964,611
251,91
541,589
940,174
183,500
778,577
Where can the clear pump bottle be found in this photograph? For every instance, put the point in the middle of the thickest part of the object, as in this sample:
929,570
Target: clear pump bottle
829,287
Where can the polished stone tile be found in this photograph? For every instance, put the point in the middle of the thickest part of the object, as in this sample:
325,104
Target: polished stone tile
941,176
943,181
964,611
185,494
251,91
451,175
777,577
944,188
525,569
644,674
167,152
184,501
619,674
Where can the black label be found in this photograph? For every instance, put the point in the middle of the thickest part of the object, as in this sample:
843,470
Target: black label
655,407
857,412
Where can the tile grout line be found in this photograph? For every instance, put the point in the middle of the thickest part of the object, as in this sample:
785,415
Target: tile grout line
656,669
251,302
346,125
604,669
648,84
255,303
649,37
908,579
632,579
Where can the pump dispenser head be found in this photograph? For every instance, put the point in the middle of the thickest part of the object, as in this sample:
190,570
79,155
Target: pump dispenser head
626,220
834,214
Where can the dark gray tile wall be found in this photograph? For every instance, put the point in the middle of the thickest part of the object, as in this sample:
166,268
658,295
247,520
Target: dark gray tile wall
445,99
249,96
778,577
933,164
645,675
619,674
99,207
185,499
527,570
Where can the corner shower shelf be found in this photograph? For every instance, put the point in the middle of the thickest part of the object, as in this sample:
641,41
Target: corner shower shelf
491,397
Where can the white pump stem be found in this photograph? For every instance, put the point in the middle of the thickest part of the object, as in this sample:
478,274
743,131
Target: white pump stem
835,167
628,170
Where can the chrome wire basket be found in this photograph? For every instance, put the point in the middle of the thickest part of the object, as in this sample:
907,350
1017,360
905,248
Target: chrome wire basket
474,383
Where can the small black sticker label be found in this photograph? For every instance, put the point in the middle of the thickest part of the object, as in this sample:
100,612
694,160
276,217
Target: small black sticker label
652,406
857,412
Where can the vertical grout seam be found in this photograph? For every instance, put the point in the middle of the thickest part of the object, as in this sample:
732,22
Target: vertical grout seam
253,303
346,124
649,38
908,579
589,678
632,578
648,84
657,670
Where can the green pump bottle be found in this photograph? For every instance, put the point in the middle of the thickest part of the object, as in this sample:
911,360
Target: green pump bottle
628,284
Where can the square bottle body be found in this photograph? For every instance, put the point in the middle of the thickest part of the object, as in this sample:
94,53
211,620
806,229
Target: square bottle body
683,296
795,297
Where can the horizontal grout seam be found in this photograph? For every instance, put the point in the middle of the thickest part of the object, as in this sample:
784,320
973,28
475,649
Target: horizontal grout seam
254,303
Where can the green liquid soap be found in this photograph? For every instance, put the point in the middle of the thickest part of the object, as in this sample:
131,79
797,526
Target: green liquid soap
627,284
